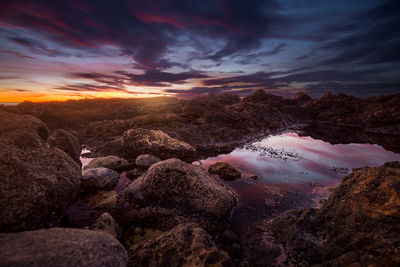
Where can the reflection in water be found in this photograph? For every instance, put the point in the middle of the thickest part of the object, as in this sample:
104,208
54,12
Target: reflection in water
293,171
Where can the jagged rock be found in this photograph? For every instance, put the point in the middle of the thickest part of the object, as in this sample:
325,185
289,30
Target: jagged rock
356,225
109,162
104,200
184,245
175,184
146,160
155,142
61,247
301,96
67,142
94,179
225,171
37,182
106,223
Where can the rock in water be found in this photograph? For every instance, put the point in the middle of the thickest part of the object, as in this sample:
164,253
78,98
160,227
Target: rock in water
61,247
225,171
358,225
184,245
37,182
67,142
94,179
155,142
109,162
146,160
175,184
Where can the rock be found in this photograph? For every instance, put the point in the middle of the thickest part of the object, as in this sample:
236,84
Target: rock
37,182
175,184
135,173
67,142
184,245
156,142
225,171
94,179
356,225
104,200
106,223
301,97
146,160
109,162
61,247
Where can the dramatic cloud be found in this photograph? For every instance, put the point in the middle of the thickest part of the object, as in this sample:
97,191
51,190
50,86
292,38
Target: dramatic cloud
225,46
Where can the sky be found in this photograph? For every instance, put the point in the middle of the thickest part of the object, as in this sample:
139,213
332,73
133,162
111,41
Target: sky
58,50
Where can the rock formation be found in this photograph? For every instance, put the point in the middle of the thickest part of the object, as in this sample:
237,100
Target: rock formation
225,171
37,182
67,142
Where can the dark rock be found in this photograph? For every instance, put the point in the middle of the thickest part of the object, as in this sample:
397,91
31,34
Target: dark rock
156,142
61,247
225,171
393,164
146,160
356,225
106,223
135,173
301,97
184,245
67,142
94,179
178,185
109,162
37,182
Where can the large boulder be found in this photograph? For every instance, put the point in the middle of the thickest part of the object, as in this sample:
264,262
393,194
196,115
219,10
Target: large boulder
67,142
358,225
94,179
178,185
61,247
106,223
109,162
146,160
155,142
225,171
185,245
37,182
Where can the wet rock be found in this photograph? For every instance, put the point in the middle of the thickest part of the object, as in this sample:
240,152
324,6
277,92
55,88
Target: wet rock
109,162
37,182
146,160
61,247
106,223
155,142
94,179
67,142
356,225
178,185
225,171
184,245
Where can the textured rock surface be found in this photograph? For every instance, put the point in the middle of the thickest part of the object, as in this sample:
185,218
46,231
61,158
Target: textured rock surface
67,142
184,245
225,171
109,162
106,223
175,184
61,247
94,179
37,182
156,142
146,160
358,225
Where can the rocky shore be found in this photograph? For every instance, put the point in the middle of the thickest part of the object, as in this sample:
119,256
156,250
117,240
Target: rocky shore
142,203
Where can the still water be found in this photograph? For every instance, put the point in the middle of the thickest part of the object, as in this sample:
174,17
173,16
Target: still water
289,171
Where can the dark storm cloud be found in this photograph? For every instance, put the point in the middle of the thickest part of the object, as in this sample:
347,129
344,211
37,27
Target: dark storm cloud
373,37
